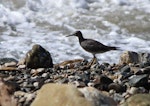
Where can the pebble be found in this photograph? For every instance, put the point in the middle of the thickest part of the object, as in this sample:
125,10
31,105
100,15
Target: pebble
40,70
44,75
22,66
36,84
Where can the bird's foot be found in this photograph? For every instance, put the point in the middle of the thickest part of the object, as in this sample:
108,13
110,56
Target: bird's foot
93,61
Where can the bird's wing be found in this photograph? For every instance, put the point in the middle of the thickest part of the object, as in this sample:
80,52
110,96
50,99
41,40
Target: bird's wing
92,45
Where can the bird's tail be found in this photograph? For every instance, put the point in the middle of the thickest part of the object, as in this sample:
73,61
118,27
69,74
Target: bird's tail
114,48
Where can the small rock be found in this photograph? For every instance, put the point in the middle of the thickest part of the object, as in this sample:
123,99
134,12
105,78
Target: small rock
138,80
101,82
35,84
44,75
79,84
129,57
40,70
90,84
118,88
22,66
38,57
102,79
125,69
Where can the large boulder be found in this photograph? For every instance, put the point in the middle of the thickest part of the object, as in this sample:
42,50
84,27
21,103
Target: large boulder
6,94
69,95
138,100
133,57
129,57
38,57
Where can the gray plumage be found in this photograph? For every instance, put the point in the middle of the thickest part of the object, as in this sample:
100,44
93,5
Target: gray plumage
91,45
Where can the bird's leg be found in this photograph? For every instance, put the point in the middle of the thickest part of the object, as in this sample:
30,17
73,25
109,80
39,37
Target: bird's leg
94,60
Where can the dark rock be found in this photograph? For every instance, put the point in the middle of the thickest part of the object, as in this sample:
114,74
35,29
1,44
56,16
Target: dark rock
126,75
139,80
102,82
146,70
105,80
125,69
129,57
117,87
38,57
126,72
7,60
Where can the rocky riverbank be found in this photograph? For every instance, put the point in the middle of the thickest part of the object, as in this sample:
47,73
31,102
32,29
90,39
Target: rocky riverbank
36,81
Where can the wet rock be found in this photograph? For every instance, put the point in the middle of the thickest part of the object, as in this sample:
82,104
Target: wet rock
129,57
139,80
63,95
6,94
38,57
138,100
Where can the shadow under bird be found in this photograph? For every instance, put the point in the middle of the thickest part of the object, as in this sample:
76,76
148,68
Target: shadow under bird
91,45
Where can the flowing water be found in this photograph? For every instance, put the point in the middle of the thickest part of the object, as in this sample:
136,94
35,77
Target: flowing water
121,23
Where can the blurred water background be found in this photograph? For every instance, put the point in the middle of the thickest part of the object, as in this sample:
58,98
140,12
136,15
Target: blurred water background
121,23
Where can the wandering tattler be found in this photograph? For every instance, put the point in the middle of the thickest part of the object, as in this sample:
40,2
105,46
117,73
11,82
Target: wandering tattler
91,45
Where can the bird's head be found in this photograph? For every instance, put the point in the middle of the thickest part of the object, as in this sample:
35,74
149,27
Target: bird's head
77,33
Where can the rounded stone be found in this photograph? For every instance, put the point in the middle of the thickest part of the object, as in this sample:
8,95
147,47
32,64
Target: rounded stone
36,84
38,57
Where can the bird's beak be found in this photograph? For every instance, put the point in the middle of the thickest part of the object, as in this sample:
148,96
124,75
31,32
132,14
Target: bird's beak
74,34
71,35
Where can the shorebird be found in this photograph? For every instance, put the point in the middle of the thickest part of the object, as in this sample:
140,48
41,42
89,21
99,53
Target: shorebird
92,46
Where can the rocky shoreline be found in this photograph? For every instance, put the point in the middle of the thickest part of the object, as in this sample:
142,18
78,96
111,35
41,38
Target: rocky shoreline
36,81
